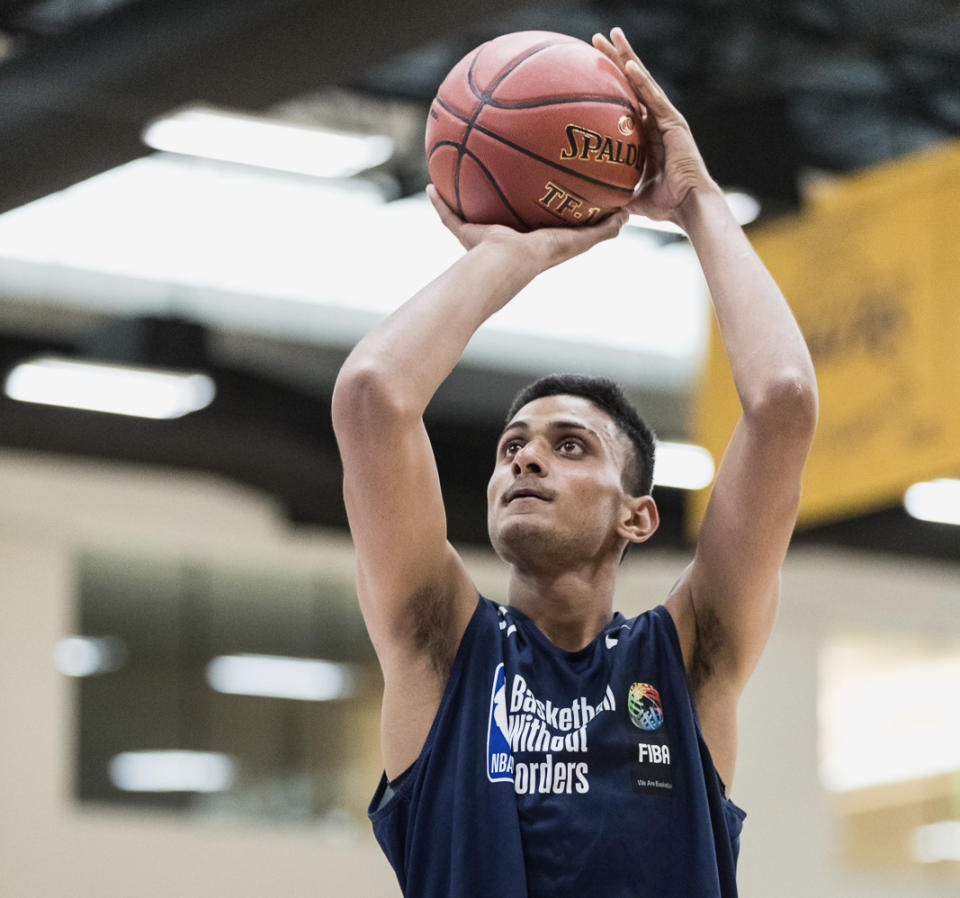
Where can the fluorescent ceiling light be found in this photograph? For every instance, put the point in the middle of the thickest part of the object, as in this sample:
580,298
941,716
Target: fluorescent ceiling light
252,140
237,248
682,466
934,500
172,771
119,389
306,679
86,656
745,208
937,842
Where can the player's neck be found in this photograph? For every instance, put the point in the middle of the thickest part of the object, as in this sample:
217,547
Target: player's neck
570,608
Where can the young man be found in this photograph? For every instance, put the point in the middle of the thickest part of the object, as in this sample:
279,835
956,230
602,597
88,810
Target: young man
550,747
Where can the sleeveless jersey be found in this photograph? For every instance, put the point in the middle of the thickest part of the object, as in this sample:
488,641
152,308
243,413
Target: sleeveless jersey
555,774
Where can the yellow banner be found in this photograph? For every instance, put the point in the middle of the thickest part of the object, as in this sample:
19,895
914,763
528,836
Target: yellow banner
871,270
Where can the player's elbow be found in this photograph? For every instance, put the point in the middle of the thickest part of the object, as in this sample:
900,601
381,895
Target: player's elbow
363,398
787,401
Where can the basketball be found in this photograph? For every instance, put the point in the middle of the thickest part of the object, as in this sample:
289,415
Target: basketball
534,129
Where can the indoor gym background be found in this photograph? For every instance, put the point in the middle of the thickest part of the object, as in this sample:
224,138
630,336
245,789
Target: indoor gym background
139,557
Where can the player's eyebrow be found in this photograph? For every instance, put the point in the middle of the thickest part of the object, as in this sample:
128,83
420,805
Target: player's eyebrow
553,425
572,425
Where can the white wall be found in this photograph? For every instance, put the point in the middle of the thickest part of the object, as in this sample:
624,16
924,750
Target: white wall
51,847
790,836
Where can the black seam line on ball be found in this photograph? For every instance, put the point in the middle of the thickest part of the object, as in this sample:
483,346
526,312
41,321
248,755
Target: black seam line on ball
461,149
442,143
486,171
496,187
517,63
455,113
493,104
456,172
485,97
559,101
470,84
471,124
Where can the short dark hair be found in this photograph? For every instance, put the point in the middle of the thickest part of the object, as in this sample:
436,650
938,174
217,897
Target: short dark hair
608,396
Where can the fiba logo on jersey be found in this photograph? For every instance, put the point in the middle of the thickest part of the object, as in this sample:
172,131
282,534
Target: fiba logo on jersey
644,708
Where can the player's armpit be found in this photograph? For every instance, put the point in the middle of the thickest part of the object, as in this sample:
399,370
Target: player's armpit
423,628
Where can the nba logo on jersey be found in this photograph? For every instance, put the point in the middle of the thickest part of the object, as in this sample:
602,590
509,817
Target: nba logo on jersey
499,759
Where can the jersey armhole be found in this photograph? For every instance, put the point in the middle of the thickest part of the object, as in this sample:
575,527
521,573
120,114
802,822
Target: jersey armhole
663,614
389,792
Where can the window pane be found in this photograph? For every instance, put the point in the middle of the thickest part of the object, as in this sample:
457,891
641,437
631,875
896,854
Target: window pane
218,689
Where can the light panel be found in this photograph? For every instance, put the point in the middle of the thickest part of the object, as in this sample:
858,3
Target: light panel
118,389
87,656
682,466
306,679
172,771
253,251
934,500
250,140
937,842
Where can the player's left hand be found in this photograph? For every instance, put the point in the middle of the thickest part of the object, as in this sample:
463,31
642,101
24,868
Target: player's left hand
674,166
543,247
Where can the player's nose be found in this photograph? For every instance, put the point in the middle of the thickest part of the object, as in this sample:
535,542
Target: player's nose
530,459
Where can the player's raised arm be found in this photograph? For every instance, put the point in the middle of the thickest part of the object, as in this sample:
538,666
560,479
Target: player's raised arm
726,602
415,594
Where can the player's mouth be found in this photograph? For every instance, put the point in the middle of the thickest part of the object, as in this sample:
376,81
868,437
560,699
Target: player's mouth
526,492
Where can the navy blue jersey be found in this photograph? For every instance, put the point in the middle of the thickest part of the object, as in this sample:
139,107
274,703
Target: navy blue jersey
555,774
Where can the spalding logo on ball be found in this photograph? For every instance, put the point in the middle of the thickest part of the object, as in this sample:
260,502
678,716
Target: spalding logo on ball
535,129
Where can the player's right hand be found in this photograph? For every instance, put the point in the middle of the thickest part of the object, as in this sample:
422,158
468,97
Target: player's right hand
674,167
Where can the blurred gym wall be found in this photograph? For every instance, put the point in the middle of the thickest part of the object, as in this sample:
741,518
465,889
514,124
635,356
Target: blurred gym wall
54,513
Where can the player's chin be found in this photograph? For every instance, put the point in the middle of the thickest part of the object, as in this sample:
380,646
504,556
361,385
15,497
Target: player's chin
520,521
522,537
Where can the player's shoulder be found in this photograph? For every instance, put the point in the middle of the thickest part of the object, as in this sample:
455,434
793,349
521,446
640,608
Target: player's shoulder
654,627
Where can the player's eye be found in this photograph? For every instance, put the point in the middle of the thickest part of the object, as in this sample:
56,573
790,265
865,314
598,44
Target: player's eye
570,446
511,447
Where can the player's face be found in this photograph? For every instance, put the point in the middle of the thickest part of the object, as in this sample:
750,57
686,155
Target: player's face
555,497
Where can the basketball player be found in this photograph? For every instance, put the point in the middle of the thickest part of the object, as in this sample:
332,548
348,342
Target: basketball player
551,748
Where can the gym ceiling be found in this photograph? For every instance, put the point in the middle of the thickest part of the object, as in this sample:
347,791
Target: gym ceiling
776,92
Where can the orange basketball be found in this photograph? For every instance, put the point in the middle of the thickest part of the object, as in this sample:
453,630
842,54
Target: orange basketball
535,129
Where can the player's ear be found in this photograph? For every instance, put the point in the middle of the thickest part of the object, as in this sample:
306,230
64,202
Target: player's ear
639,518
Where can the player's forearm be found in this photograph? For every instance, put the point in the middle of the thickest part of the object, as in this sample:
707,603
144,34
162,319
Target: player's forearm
768,356
411,352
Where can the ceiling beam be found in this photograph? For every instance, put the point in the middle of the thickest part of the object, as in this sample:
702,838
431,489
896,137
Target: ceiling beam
75,105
